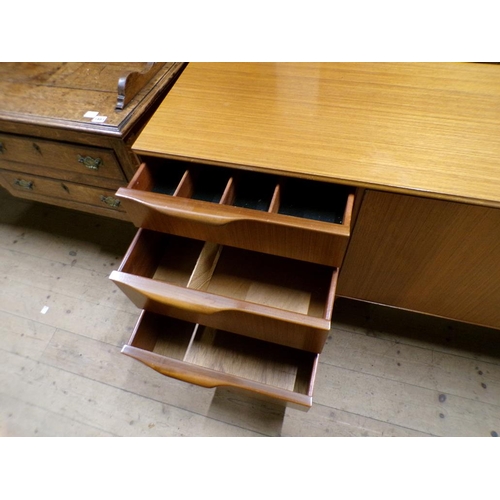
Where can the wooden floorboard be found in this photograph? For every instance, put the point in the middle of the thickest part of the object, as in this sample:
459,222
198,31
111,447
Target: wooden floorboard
383,372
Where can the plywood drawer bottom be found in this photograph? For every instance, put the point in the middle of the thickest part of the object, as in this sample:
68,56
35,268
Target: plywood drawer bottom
210,358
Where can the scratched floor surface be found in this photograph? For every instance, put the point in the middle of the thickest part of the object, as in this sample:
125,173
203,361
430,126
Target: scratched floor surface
62,323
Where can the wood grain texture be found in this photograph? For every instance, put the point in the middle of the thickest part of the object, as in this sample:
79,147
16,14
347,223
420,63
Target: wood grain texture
133,82
39,156
61,93
255,320
62,373
212,358
431,256
45,189
221,359
425,128
205,266
317,230
45,128
263,296
270,233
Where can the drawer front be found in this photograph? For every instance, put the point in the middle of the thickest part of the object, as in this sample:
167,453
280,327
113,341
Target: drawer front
42,189
212,358
40,155
293,218
266,297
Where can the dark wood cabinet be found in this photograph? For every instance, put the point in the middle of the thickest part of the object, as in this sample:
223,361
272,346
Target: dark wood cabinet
66,131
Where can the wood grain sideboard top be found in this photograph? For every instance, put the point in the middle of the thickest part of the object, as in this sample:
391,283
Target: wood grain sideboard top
431,129
59,95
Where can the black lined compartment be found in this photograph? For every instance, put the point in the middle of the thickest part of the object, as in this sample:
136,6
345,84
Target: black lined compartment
254,191
313,200
166,175
301,198
209,184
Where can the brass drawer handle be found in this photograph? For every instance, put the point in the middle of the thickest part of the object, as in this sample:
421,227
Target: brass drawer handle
89,162
109,200
24,184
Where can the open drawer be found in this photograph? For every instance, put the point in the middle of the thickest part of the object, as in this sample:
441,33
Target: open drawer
276,299
211,358
295,218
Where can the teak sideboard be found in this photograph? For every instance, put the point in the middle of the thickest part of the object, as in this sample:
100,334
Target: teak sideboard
66,129
267,190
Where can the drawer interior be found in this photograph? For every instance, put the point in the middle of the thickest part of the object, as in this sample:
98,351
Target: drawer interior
298,286
313,200
224,352
305,199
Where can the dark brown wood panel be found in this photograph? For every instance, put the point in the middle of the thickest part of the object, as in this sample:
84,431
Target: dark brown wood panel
59,121
60,192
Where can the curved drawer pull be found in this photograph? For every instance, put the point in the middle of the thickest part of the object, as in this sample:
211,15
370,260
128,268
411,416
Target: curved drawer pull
223,215
178,369
182,208
213,219
206,377
197,302
109,200
89,162
24,184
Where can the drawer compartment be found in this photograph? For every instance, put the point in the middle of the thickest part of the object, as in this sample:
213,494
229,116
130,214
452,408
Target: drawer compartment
43,189
295,218
83,162
263,296
211,358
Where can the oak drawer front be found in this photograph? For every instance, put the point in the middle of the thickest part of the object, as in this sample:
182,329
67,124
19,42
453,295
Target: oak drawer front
212,358
295,218
267,297
41,189
41,155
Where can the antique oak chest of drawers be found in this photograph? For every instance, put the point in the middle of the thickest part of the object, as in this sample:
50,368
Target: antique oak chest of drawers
66,129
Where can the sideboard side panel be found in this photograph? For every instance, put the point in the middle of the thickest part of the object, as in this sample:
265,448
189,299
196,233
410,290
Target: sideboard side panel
430,256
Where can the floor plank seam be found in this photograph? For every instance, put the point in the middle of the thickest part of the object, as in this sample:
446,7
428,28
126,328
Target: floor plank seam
406,344
385,422
137,394
58,329
69,296
412,385
97,274
60,415
9,248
